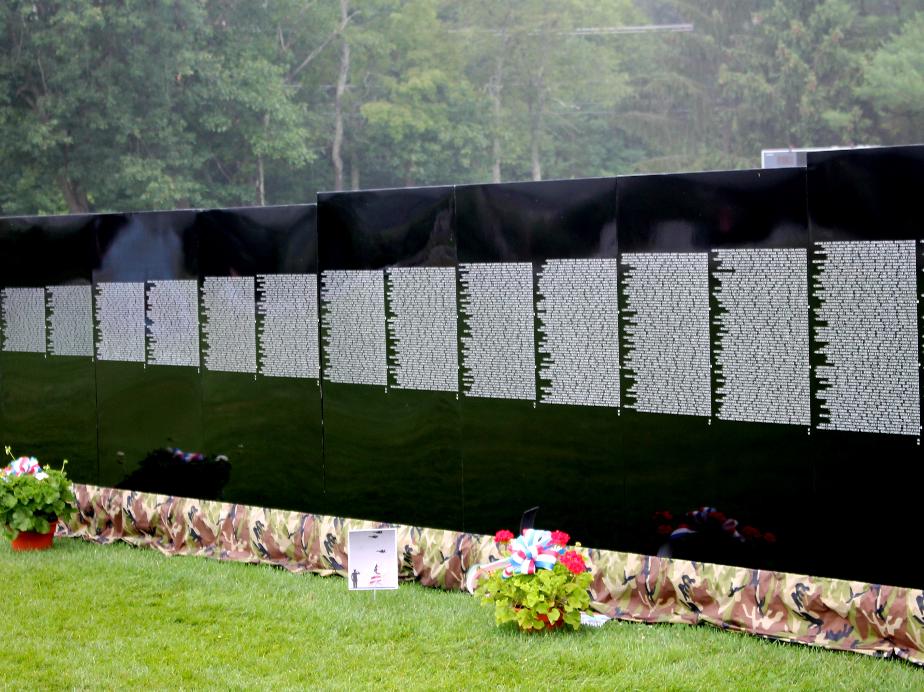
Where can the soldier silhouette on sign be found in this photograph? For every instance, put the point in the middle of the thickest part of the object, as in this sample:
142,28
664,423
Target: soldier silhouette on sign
355,577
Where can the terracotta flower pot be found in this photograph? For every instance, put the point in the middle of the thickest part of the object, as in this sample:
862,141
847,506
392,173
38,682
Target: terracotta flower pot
32,540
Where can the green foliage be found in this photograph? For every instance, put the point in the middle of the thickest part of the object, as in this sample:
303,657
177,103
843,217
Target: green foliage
28,503
894,80
131,104
522,598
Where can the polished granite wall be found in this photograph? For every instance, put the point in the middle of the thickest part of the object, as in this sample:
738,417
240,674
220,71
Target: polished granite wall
619,352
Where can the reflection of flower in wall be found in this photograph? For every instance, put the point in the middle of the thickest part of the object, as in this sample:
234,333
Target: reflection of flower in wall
707,521
172,471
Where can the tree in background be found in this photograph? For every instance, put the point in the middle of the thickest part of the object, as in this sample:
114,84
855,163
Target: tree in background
133,104
894,82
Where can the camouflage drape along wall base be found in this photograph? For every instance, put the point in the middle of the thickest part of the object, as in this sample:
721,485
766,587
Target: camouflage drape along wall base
831,613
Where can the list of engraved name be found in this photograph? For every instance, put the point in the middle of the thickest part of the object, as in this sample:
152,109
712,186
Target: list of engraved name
762,351
498,350
666,327
70,320
353,324
173,322
578,311
120,321
867,336
23,312
422,328
287,331
228,324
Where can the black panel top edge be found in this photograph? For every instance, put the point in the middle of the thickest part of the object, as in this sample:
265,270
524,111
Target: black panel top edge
537,221
549,181
40,251
326,195
247,241
145,246
697,212
252,207
730,174
375,229
821,156
866,194
123,212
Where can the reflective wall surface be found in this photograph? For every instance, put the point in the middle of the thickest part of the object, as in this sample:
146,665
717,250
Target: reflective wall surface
389,355
721,366
261,397
47,378
149,401
867,227
716,365
539,356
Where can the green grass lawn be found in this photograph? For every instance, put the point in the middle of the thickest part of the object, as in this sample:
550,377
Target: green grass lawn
92,616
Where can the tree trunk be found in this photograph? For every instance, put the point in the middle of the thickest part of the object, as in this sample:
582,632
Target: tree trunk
534,151
261,175
261,183
336,149
495,89
536,106
76,199
354,171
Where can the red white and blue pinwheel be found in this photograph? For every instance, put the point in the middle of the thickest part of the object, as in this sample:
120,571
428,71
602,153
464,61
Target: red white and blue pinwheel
531,551
24,466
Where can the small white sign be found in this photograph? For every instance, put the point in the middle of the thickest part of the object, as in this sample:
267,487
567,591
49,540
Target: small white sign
372,560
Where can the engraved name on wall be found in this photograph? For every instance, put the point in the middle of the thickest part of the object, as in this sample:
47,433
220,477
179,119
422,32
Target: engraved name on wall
173,322
119,313
229,340
353,324
23,314
287,325
762,348
422,328
867,336
70,320
498,348
578,310
666,327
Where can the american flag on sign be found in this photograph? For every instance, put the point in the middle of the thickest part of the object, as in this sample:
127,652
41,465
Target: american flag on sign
376,578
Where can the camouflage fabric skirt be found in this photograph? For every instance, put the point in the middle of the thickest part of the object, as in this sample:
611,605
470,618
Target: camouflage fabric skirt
831,613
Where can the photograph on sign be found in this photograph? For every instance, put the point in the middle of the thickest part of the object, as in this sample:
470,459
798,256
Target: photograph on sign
373,560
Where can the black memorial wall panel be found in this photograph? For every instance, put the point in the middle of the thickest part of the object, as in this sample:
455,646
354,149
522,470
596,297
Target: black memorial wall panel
146,337
48,392
715,363
259,338
737,348
389,355
539,356
867,232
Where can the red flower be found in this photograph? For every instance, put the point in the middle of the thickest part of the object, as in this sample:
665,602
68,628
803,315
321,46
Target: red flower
663,514
683,526
750,532
503,536
770,537
574,562
560,538
718,516
665,529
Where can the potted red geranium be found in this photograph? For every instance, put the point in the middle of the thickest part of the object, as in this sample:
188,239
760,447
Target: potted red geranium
541,584
32,500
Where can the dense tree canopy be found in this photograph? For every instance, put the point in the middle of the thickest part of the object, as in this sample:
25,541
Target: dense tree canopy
140,104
